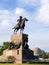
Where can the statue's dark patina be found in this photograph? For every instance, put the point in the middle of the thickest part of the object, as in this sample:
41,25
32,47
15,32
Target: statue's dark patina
20,25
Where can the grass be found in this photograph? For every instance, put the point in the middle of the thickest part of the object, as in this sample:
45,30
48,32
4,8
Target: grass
28,63
21,64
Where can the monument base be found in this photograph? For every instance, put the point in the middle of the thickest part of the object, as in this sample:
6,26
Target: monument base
18,56
22,53
26,53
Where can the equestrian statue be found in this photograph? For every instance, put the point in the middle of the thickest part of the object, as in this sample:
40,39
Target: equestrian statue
20,25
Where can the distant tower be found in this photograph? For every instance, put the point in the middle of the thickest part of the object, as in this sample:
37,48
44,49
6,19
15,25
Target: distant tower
37,52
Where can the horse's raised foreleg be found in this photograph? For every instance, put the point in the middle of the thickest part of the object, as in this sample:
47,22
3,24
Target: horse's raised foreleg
17,30
21,30
14,31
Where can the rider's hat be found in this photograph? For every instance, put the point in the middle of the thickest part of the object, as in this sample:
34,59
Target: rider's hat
20,16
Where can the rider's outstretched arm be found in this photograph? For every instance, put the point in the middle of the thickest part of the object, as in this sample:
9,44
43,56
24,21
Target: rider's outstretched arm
18,20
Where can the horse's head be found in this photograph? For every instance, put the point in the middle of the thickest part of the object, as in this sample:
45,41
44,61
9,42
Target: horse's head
25,19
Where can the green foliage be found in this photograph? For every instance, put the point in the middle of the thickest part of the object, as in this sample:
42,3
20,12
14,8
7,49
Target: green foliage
5,46
1,52
6,62
37,62
45,54
48,54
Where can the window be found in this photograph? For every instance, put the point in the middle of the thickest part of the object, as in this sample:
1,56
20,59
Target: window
17,51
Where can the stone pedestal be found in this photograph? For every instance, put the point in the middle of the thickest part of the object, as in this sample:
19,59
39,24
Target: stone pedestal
13,55
22,53
27,55
19,38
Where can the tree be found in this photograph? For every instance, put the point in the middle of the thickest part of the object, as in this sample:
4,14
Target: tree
44,54
5,46
1,50
48,54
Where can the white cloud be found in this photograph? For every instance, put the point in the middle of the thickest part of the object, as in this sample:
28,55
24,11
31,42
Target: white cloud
40,40
29,2
5,23
6,17
19,10
43,12
4,38
4,11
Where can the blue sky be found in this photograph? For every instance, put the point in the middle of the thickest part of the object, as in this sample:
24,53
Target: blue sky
37,12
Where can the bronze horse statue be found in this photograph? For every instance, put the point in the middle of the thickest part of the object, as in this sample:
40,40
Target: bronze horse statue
20,25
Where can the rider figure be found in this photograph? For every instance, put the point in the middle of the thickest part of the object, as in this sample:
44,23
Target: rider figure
20,25
20,20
